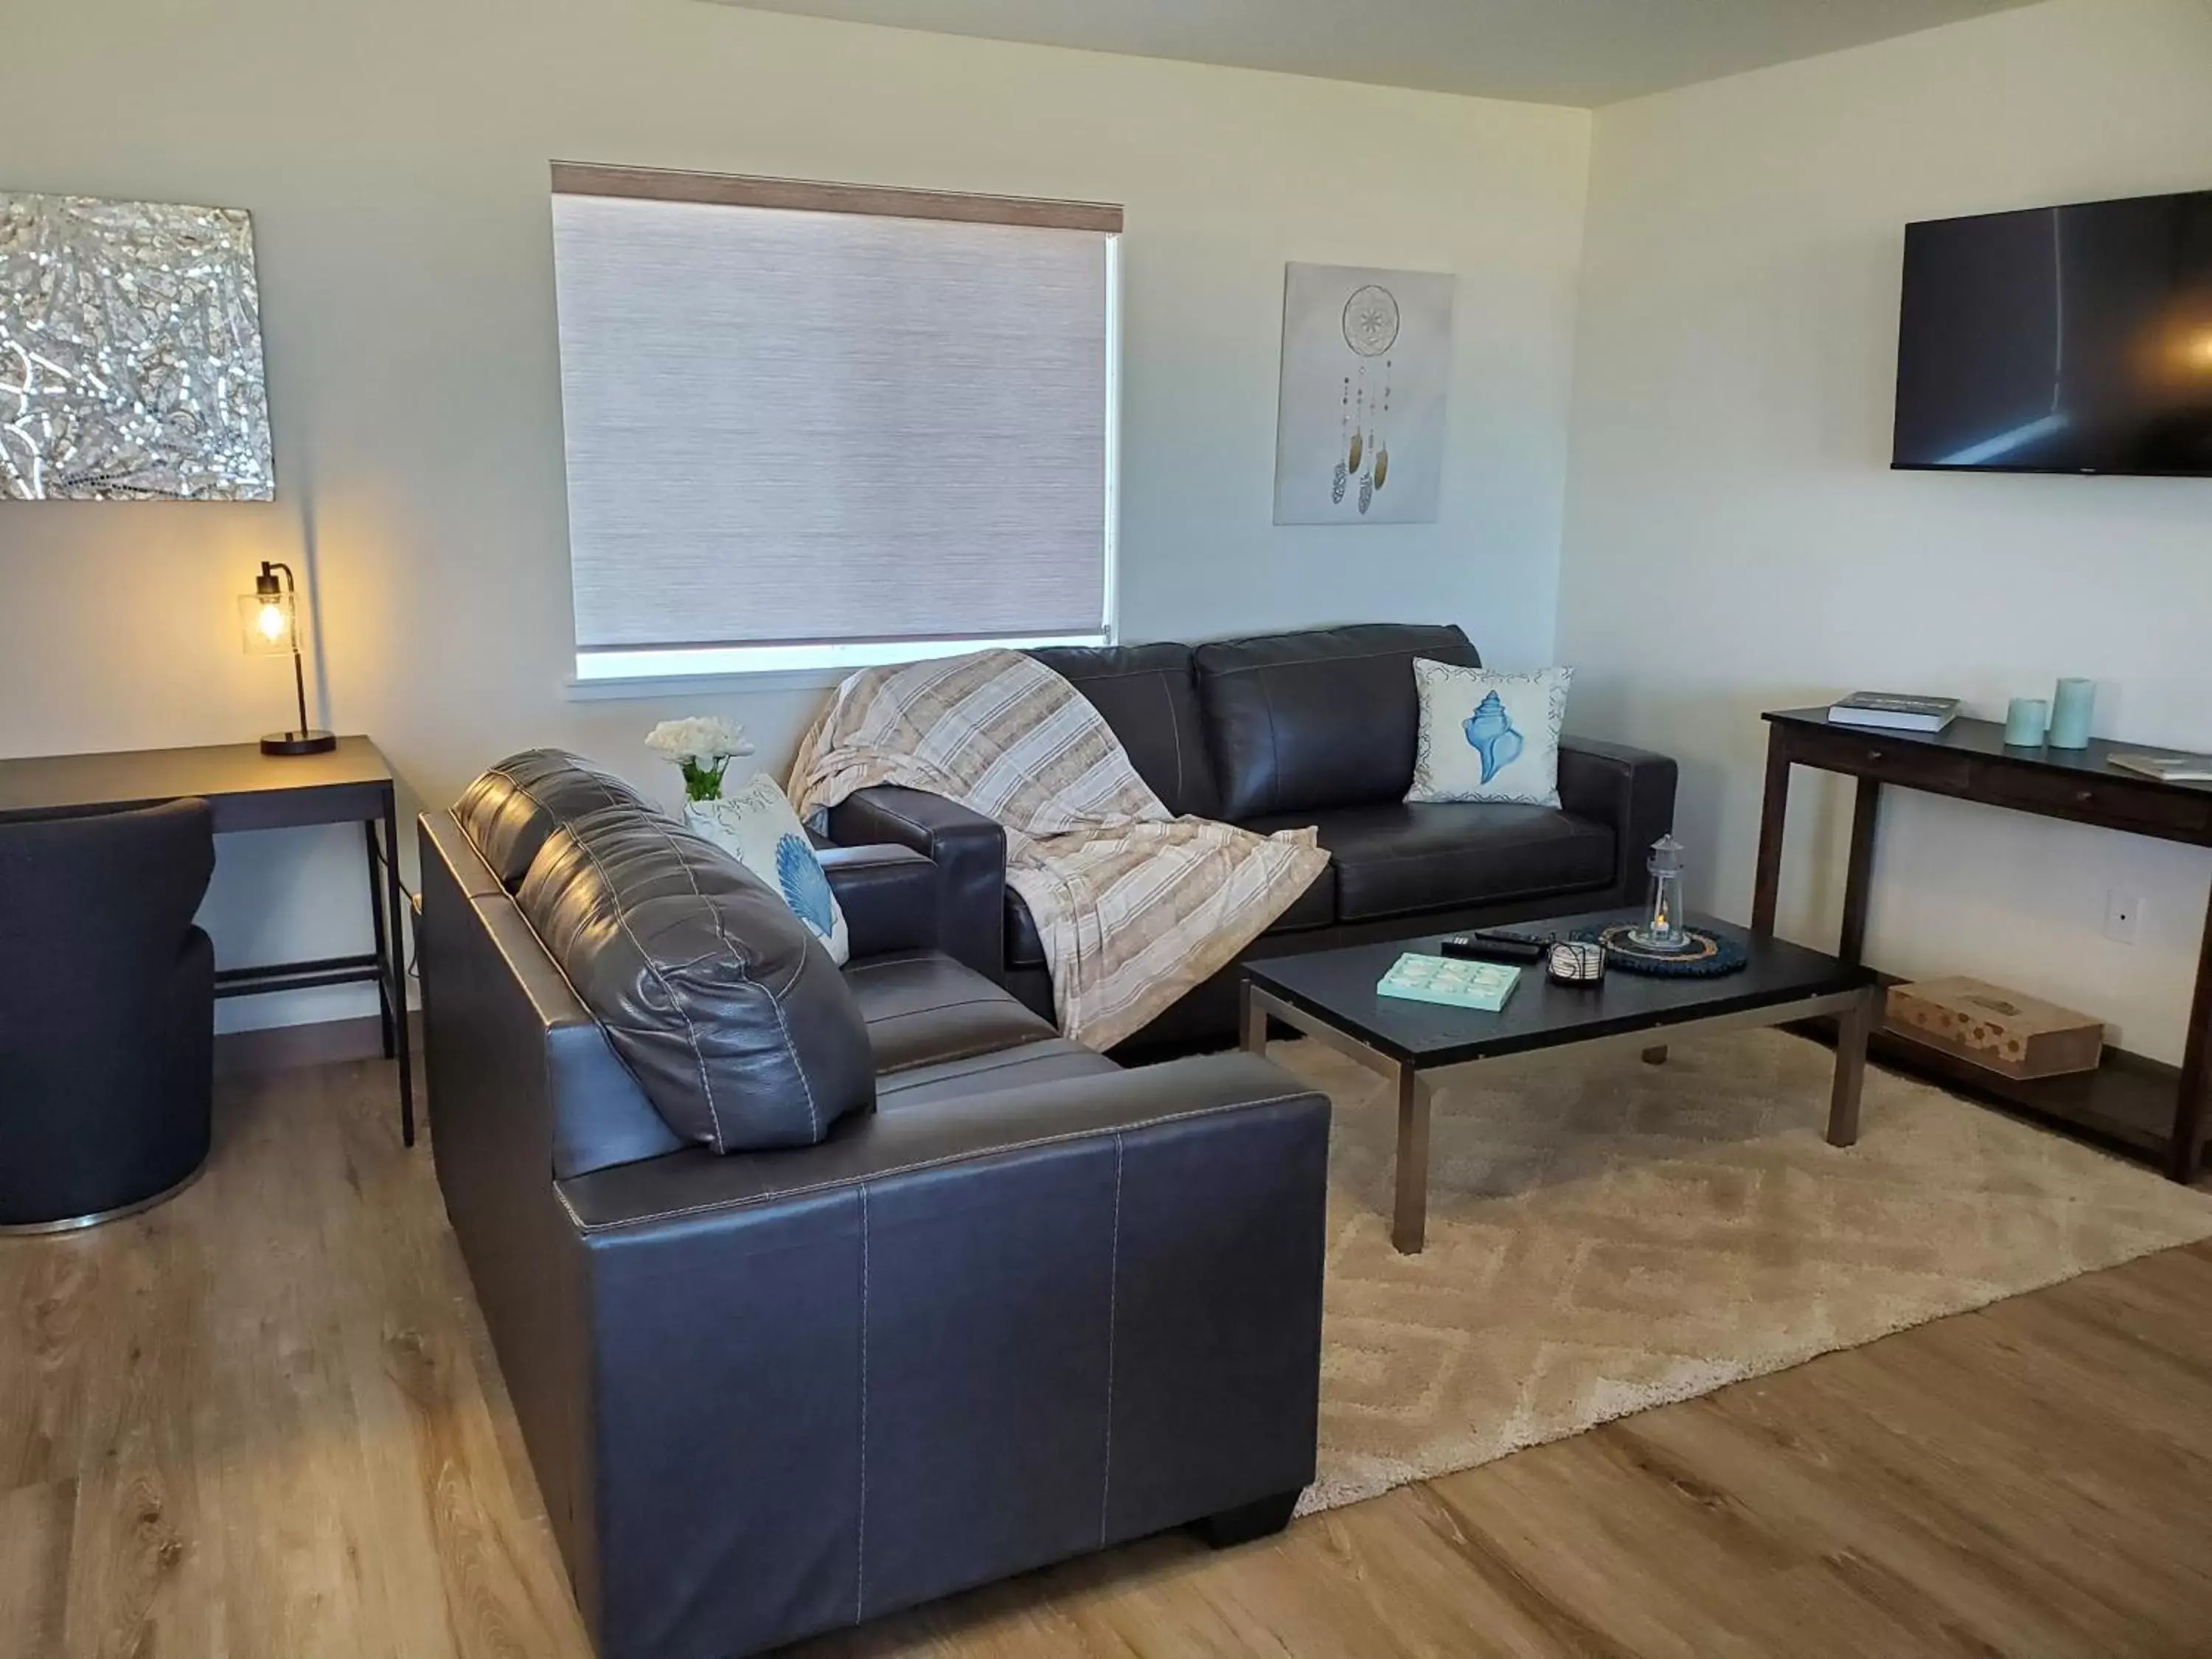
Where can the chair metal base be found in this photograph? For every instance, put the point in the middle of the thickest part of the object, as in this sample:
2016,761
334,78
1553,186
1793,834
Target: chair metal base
78,1223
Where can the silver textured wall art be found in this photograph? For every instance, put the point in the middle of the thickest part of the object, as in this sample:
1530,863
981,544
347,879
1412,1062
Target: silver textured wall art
131,363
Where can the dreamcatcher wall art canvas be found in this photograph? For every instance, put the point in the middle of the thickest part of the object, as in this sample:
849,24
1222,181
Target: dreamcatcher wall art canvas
1359,434
131,363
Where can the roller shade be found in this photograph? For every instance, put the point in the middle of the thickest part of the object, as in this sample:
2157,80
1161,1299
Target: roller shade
788,425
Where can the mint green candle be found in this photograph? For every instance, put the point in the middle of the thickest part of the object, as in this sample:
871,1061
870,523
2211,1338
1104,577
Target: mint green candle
2072,708
2024,722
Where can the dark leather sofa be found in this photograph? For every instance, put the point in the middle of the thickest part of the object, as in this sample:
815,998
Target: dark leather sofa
1281,732
822,1293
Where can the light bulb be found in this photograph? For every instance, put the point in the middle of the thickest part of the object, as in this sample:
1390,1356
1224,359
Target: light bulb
271,622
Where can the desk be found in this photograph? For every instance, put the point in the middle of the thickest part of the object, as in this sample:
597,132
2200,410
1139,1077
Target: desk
2130,1098
246,789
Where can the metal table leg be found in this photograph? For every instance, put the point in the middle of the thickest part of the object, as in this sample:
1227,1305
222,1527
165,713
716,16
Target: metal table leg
1409,1221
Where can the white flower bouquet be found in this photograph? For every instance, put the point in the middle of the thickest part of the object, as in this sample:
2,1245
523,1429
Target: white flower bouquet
701,748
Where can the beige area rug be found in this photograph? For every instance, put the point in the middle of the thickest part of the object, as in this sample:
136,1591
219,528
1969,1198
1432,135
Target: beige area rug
1605,1235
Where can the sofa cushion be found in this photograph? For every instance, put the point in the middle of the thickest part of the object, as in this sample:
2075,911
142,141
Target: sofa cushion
1146,695
727,1011
1298,722
921,1007
513,806
1055,1060
1395,858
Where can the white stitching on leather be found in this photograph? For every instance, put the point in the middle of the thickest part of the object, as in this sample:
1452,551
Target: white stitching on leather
974,1072
784,1195
860,1531
1112,1306
775,1002
783,1025
698,1054
1175,731
1274,748
986,1047
1307,662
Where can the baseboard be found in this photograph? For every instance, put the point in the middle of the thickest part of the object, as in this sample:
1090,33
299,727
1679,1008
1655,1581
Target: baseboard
284,1047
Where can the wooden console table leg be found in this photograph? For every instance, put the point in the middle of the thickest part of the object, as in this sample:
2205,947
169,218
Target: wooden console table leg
1853,1027
1409,1223
1858,874
2185,1154
1774,815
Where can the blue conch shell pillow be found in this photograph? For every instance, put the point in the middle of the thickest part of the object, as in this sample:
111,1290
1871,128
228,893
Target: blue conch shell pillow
756,827
1488,736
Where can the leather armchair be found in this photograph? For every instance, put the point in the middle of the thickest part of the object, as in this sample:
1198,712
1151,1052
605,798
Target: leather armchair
106,1013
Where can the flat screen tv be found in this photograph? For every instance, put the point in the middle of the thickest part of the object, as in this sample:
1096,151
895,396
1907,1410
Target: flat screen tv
2065,340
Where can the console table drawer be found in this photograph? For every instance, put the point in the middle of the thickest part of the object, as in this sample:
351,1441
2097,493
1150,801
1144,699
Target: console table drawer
2097,800
1916,765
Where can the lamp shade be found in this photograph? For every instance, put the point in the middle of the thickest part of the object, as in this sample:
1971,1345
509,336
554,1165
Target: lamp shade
266,625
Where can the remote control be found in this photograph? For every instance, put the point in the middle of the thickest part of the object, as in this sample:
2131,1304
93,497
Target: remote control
1495,945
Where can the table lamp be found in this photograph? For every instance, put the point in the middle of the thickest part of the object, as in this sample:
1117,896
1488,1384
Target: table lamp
268,619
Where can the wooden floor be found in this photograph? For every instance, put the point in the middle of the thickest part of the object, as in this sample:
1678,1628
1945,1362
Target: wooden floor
261,1421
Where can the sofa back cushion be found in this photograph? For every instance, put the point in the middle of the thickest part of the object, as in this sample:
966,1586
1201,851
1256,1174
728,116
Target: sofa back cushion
727,1011
1146,695
1298,722
513,806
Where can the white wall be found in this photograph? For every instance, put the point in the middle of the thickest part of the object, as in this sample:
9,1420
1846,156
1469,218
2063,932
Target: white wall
394,156
1736,540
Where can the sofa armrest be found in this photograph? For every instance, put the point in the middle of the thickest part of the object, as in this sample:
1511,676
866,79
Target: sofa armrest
1631,789
889,896
947,1345
969,851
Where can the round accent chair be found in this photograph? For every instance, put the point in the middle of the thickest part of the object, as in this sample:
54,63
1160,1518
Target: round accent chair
106,1013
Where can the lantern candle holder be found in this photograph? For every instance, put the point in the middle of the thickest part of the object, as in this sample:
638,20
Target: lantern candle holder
1661,928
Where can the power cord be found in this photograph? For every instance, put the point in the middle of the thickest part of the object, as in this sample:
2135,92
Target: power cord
413,908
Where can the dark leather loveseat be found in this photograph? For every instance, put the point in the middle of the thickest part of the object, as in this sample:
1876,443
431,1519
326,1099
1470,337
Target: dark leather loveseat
822,1293
1288,730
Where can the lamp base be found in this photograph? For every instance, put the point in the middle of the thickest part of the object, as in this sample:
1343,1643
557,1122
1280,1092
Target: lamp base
298,743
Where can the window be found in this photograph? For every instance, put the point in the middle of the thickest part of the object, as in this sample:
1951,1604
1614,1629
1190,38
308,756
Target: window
818,426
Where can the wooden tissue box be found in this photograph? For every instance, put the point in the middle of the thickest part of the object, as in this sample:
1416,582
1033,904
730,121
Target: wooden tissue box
2004,1031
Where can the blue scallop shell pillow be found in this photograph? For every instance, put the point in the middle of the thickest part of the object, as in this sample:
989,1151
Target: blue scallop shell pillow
757,828
1488,736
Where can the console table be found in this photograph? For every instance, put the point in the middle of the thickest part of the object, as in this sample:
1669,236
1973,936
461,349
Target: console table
2131,1099
246,789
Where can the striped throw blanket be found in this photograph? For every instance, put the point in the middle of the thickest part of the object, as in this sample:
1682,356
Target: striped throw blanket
1135,906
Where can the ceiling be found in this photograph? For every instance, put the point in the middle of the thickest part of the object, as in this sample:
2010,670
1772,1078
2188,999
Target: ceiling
1583,52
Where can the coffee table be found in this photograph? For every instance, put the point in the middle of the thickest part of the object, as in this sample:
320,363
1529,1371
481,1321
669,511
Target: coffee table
1330,996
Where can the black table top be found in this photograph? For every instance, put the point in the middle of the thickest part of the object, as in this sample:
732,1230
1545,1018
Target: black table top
1986,738
40,786
1339,987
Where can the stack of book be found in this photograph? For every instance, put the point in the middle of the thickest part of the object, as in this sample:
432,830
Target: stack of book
1894,711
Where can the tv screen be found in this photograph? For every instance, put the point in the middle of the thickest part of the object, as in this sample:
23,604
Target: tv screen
2066,339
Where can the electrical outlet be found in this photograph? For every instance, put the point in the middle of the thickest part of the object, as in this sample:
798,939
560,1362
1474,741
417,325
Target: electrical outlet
2120,911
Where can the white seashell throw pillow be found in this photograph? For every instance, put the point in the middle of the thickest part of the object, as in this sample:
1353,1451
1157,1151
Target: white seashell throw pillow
757,828
1488,736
